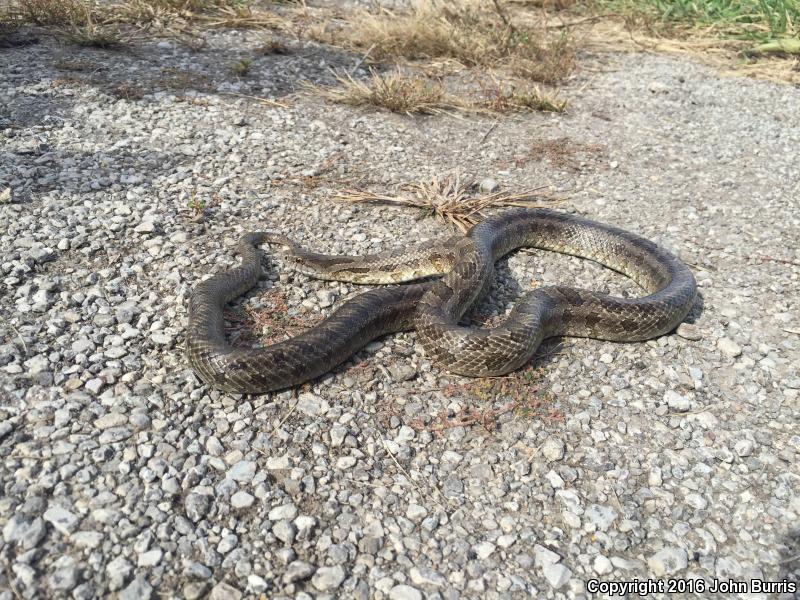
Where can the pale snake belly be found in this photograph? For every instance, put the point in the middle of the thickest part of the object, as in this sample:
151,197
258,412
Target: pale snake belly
434,308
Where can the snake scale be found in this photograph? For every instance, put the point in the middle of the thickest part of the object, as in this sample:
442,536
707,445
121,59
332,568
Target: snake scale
433,308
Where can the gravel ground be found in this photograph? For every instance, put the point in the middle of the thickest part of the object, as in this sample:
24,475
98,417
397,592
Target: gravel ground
121,474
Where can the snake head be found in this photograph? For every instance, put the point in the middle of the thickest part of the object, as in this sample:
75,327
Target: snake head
278,239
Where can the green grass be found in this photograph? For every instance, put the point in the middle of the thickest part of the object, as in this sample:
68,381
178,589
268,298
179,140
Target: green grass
748,19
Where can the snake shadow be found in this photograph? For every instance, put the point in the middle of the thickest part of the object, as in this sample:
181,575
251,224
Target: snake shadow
789,565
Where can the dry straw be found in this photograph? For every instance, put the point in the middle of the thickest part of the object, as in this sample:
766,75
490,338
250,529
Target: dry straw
452,200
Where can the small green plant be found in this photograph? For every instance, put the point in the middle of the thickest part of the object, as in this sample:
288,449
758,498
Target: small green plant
273,46
196,205
242,67
92,36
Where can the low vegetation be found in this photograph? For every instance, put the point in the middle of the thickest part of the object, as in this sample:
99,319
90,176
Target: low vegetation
417,94
521,43
398,93
468,32
760,20
106,24
450,199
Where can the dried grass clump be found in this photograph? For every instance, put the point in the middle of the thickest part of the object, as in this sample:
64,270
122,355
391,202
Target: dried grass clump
550,63
94,22
416,94
470,32
395,92
507,98
49,12
449,199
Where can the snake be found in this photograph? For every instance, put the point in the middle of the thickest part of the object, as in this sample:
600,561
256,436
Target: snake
439,282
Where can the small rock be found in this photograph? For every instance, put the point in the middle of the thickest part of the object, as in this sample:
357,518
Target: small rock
87,539
94,385
553,448
729,347
284,531
489,185
744,447
427,578
287,511
114,434
346,462
145,227
242,500
484,550
688,331
194,590
196,570
223,591
110,420
278,463
150,558
66,575
556,574
405,435
138,589
601,516
25,574
298,570
404,592
416,513
554,479
117,572
667,561
312,405
198,503
507,540
243,471
37,364
626,564
544,556
256,584
401,372
305,524
338,434
26,534
326,298
61,519
602,565
227,543
162,339
328,578
676,401
696,501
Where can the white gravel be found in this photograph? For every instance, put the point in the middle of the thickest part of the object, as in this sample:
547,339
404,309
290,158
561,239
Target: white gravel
122,474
